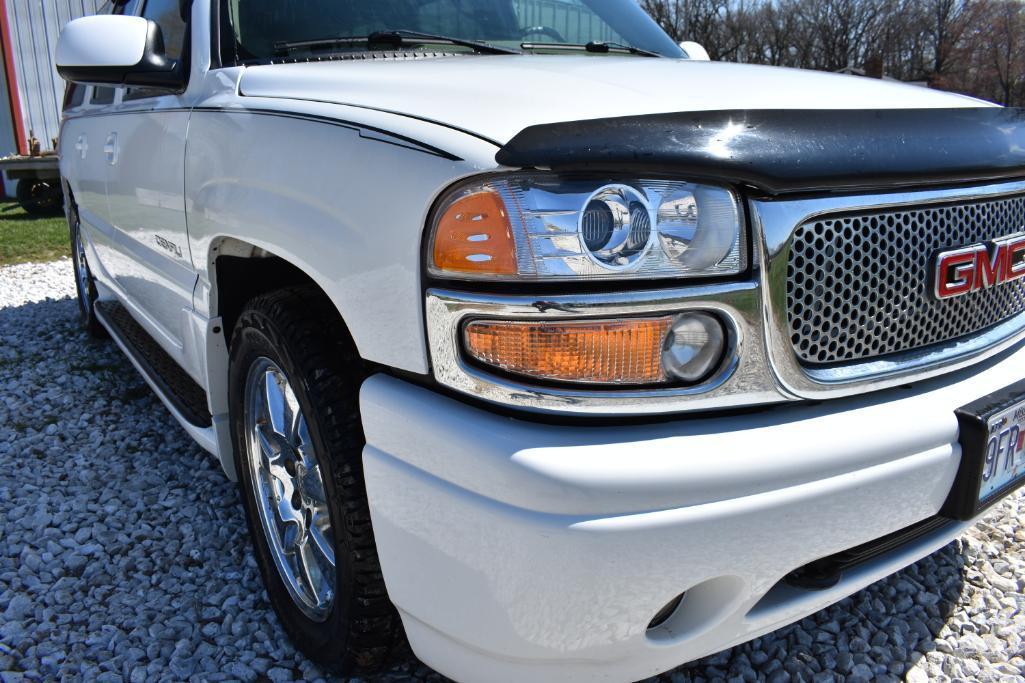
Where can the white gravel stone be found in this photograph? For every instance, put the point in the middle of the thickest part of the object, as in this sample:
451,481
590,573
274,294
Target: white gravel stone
123,551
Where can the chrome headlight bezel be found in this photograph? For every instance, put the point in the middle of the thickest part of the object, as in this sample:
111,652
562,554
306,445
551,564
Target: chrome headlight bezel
546,216
740,379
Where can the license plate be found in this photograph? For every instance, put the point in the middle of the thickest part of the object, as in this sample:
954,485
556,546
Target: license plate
992,452
1003,463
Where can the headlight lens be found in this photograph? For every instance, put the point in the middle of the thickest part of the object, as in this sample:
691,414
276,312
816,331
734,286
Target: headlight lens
542,227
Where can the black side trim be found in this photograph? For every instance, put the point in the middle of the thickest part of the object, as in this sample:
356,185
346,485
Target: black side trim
406,115
360,128
827,572
376,134
185,395
783,151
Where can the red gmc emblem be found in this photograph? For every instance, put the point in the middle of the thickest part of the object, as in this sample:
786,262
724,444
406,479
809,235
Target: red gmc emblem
978,266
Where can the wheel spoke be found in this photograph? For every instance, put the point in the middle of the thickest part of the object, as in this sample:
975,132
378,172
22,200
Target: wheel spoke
319,534
312,574
275,404
309,571
294,417
287,513
303,442
313,486
268,449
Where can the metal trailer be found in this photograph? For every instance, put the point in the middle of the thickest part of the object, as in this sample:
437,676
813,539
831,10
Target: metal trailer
35,93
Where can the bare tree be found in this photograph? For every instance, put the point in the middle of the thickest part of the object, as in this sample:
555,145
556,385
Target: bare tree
971,46
1006,47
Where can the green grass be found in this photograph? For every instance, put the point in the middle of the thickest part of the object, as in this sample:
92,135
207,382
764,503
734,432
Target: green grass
25,238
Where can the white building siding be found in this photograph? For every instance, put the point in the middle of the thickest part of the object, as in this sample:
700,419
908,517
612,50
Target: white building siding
35,26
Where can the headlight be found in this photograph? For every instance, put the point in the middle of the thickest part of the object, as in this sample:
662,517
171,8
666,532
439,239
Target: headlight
542,227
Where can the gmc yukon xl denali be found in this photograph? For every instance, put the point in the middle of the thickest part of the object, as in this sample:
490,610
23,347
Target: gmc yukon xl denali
569,354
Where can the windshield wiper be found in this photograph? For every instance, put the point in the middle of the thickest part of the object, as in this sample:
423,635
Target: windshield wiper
392,37
597,46
403,36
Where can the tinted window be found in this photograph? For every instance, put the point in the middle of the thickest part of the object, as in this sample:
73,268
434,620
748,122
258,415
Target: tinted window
128,7
74,95
168,16
102,95
256,26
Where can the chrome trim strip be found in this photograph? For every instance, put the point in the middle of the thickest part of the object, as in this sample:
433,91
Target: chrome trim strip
774,222
743,381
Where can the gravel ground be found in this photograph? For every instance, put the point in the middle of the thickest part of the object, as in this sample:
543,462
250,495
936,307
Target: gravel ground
123,554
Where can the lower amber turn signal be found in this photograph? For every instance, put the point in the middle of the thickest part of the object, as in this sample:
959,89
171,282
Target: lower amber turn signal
626,351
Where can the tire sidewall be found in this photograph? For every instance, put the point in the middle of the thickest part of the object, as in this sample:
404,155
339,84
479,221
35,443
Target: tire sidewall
251,342
30,202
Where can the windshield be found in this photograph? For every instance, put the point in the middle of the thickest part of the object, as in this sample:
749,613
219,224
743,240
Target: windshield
259,26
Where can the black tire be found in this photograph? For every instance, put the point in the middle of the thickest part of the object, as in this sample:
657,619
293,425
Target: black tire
85,284
40,197
299,330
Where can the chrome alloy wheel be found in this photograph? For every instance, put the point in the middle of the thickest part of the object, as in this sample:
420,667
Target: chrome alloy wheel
81,264
289,489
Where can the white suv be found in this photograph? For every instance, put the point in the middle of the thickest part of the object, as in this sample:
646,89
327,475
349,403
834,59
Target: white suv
573,356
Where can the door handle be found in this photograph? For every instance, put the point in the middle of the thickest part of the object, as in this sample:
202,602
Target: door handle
110,149
82,146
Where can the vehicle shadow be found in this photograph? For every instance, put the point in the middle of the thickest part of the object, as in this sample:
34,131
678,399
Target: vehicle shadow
130,548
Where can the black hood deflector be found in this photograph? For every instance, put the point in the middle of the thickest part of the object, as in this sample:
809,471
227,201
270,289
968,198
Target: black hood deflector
785,151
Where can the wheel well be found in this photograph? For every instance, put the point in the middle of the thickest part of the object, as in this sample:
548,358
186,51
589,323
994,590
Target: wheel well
241,278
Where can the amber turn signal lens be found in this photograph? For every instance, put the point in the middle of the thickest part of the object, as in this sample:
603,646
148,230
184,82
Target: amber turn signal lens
627,351
473,235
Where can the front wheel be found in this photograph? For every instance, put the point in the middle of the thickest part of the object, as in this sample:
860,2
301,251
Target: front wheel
294,382
85,286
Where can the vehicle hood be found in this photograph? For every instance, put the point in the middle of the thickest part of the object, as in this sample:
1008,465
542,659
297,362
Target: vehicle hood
497,96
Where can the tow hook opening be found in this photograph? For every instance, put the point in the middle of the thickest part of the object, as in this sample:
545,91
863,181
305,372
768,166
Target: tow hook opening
662,616
696,610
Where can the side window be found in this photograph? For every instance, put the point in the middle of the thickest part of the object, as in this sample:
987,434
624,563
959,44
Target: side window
131,8
102,96
168,16
74,96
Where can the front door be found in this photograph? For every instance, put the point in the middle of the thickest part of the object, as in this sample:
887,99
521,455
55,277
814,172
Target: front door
145,150
82,160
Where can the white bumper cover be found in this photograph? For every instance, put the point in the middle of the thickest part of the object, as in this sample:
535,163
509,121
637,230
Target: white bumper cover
520,551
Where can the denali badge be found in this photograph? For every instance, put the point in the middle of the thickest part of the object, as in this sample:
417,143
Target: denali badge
978,266
168,246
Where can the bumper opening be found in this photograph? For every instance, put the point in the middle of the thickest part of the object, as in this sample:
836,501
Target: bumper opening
827,571
662,616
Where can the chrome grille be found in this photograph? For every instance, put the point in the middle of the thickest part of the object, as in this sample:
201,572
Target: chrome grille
857,284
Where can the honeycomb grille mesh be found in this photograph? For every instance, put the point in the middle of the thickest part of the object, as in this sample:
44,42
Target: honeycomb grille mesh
857,284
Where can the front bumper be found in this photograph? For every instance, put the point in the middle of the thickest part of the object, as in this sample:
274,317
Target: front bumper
520,551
